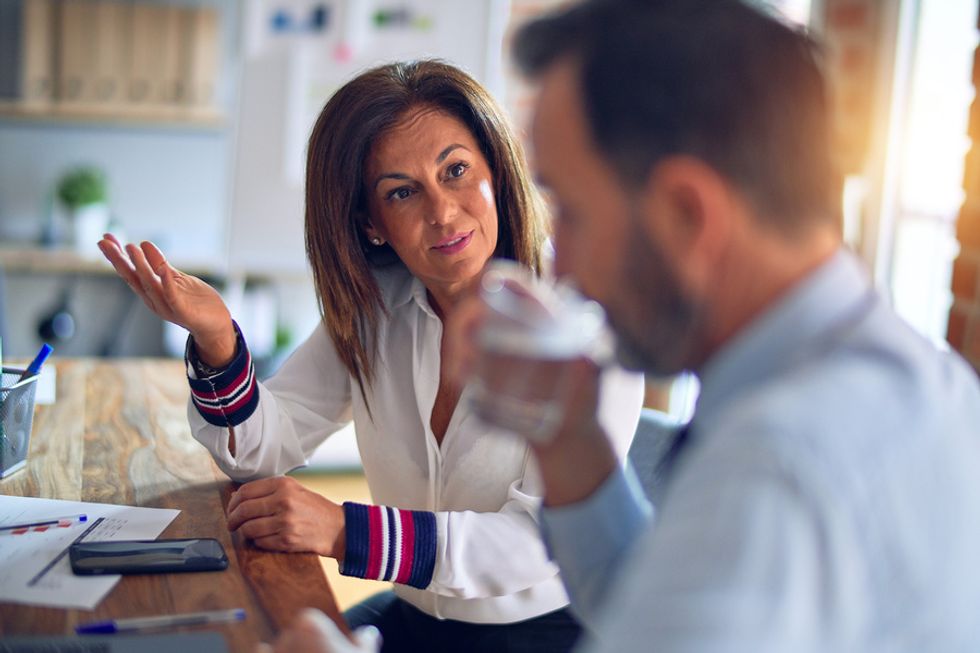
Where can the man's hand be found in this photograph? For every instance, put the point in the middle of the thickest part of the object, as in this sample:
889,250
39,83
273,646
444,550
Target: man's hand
281,515
313,632
554,403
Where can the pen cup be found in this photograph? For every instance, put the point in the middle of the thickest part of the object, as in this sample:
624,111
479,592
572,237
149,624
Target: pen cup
16,418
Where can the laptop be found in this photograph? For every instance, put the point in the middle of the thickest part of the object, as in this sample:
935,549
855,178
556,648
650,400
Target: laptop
209,642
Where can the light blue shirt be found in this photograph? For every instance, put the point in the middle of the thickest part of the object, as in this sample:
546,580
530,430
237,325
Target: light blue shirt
828,498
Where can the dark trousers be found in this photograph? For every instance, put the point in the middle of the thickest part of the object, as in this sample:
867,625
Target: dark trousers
407,629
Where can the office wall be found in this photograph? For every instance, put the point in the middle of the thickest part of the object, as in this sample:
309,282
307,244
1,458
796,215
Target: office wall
109,318
167,182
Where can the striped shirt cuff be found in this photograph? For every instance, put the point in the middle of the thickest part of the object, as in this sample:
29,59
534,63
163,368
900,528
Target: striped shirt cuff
385,543
230,396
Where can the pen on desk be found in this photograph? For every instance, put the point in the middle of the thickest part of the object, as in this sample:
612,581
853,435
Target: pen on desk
164,621
41,526
38,361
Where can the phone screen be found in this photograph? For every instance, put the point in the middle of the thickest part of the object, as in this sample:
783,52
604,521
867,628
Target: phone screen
147,556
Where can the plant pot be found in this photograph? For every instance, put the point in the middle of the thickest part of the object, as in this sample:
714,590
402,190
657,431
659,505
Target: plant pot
88,224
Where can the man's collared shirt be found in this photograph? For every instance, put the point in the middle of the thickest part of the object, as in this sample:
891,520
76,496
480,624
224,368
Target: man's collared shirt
828,497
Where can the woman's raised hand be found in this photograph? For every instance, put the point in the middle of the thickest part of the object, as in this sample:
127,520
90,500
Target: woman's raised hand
176,297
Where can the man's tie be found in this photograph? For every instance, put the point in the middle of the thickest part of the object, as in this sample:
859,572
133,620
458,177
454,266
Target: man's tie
665,468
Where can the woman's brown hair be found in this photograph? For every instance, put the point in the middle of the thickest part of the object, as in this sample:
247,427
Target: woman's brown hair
353,119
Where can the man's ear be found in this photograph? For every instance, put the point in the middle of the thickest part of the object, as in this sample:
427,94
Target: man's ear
687,208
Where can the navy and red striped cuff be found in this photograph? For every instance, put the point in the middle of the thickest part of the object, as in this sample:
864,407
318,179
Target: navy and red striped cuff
385,543
229,397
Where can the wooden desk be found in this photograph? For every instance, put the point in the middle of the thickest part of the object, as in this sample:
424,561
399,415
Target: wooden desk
118,433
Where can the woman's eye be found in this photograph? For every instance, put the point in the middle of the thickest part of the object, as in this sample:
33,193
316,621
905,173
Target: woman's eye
457,170
400,194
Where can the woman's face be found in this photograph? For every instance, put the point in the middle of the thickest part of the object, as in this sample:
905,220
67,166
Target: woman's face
431,198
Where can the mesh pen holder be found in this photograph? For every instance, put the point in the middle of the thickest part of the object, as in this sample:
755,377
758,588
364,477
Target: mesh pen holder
16,417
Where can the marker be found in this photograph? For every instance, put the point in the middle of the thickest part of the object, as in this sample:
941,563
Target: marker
164,621
41,526
38,361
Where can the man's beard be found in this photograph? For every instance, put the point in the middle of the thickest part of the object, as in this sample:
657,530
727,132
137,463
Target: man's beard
656,324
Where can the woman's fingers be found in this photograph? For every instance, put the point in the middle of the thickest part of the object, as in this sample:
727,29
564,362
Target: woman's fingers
114,253
261,527
122,261
154,257
149,281
148,278
252,509
254,499
270,543
279,513
255,489
166,272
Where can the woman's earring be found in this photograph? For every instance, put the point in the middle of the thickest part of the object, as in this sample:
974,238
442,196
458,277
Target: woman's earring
376,241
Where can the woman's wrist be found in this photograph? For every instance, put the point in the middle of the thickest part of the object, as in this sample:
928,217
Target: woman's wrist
340,539
217,350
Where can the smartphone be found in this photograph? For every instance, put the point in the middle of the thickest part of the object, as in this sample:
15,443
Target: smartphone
147,556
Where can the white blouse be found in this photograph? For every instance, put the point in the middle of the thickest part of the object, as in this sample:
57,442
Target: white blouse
488,563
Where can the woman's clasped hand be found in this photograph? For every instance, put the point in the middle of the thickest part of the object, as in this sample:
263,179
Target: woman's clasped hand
281,515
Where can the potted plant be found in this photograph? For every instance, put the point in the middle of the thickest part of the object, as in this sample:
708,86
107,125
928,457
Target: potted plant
83,192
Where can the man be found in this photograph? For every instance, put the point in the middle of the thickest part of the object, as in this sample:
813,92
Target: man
826,495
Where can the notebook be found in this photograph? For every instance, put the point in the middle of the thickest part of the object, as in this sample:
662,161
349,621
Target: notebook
210,642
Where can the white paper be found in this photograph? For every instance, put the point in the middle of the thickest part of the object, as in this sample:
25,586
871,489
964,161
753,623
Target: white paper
47,382
23,558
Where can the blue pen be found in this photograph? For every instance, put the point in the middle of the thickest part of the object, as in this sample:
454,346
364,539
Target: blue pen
164,621
27,527
38,361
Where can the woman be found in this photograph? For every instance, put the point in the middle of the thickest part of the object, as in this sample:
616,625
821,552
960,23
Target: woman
414,182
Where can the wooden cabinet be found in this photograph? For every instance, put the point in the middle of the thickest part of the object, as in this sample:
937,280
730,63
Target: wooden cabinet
115,60
37,58
112,43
